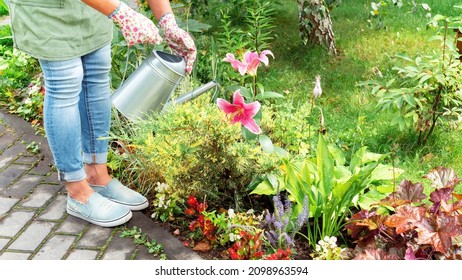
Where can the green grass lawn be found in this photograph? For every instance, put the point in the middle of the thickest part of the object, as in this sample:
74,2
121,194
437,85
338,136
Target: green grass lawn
351,118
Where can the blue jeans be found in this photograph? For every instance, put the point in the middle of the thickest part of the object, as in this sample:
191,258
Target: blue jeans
77,111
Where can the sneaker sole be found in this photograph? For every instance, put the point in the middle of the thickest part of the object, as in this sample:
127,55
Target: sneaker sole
113,223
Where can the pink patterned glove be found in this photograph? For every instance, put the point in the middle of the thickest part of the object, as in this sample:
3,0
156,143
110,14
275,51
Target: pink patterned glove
136,28
178,40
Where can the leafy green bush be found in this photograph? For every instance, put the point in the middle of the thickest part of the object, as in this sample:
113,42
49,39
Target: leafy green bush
427,90
326,185
21,85
194,150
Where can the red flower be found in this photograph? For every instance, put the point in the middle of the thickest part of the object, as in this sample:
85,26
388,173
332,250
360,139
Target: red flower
233,254
192,201
280,255
190,211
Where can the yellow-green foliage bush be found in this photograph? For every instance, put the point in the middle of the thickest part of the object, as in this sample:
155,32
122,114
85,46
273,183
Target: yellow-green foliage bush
197,151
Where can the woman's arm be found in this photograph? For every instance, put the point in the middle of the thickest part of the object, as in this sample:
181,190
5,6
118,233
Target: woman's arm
106,7
158,7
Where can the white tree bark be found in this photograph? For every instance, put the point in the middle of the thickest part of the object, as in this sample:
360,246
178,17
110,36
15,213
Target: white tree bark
315,24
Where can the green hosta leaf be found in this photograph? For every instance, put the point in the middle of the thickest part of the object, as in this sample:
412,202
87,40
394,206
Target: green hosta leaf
325,165
265,188
386,188
361,157
345,193
337,154
369,200
342,174
385,172
294,182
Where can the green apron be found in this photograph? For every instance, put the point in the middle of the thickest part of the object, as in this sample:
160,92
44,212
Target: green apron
58,29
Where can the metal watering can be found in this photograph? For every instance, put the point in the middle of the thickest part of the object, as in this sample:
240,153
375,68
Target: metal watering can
150,86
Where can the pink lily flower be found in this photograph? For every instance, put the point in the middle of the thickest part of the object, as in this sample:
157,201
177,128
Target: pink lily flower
241,112
250,62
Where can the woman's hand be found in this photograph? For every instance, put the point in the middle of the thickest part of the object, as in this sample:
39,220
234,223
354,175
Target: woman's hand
135,27
178,40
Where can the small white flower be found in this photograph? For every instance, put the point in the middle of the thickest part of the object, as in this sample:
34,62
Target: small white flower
161,187
234,237
231,213
318,248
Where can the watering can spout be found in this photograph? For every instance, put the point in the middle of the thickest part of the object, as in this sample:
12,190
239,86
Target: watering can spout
194,93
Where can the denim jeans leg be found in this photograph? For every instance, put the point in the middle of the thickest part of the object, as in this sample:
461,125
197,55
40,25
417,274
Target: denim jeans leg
63,83
77,111
95,105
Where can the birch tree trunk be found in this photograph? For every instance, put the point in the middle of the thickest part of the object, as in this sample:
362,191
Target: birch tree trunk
315,24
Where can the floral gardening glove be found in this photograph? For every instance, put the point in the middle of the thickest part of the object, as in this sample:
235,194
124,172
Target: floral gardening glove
135,27
178,40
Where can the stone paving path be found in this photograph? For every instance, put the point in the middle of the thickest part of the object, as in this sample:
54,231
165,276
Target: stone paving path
34,224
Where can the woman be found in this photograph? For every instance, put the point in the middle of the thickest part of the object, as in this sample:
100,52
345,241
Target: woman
71,39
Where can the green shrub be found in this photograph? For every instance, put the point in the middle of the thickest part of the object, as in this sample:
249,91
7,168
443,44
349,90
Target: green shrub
291,128
6,39
194,149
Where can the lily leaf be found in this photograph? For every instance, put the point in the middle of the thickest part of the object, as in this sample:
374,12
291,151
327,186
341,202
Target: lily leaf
266,143
268,95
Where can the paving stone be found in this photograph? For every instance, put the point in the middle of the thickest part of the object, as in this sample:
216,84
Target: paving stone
72,225
33,236
43,168
23,186
7,139
143,254
56,209
14,256
3,129
10,174
6,204
95,237
52,179
119,249
82,255
3,242
55,248
11,154
39,197
27,160
13,223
